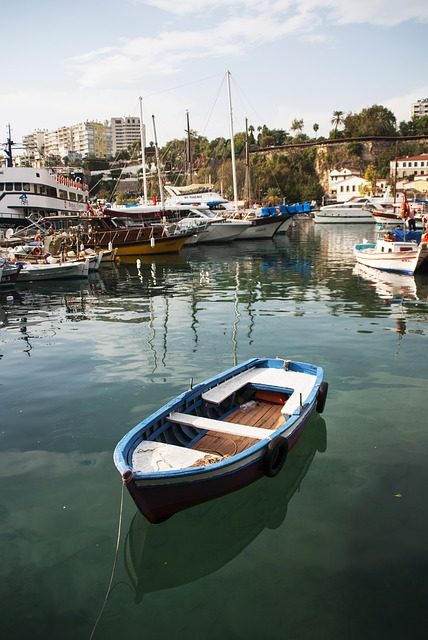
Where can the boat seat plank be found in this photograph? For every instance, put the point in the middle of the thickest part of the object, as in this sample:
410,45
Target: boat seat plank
220,426
281,379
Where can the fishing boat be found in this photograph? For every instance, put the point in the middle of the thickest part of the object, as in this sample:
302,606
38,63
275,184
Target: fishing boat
31,272
220,435
101,232
394,250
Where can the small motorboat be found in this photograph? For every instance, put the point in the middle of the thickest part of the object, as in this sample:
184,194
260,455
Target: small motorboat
220,435
395,250
9,273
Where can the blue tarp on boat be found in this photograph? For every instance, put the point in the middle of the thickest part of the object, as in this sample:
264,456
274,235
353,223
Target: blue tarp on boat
404,235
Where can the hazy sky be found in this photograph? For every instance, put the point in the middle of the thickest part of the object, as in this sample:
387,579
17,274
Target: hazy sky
66,62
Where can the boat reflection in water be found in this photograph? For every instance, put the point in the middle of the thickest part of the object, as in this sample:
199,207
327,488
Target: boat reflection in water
199,541
392,286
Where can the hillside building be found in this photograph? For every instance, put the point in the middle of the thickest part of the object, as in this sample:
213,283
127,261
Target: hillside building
409,167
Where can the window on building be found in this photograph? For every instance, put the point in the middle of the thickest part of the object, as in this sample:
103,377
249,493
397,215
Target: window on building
63,194
1,186
26,186
353,187
9,186
18,186
404,164
72,195
347,187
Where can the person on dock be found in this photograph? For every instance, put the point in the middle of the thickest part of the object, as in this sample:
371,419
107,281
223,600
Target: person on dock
411,222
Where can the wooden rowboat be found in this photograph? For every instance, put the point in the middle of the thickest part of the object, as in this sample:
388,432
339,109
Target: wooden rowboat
220,435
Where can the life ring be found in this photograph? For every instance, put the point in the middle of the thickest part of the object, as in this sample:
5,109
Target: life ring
37,251
276,453
37,238
322,396
425,237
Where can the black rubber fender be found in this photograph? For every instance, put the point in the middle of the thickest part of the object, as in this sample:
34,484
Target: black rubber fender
322,396
274,458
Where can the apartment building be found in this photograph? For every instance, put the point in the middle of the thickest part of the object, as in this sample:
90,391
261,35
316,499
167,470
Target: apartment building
409,166
85,139
420,108
124,132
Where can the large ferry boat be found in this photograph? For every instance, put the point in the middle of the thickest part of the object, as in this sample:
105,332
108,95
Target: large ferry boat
28,193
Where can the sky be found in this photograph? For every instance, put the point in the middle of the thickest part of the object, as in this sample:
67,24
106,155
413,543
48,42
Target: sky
68,62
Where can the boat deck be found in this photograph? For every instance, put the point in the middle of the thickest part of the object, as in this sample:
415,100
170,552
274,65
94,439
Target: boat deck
263,414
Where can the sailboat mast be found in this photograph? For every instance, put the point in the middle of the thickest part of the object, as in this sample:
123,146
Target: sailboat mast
158,166
8,150
189,168
232,143
248,194
143,150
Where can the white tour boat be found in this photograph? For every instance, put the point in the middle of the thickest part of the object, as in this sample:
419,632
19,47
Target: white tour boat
29,193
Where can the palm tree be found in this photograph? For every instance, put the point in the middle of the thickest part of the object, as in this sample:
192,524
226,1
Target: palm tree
337,120
315,128
297,125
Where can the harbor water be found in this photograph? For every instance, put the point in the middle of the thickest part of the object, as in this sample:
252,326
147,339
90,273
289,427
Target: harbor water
333,547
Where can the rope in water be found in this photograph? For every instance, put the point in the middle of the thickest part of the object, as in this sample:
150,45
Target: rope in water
119,527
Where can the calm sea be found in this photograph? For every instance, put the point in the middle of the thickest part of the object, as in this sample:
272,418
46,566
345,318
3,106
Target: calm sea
334,547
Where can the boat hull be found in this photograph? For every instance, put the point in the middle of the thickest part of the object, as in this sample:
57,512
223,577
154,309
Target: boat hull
158,502
343,217
34,273
9,274
262,228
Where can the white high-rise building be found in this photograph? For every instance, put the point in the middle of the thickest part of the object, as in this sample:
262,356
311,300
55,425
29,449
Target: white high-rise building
124,132
420,108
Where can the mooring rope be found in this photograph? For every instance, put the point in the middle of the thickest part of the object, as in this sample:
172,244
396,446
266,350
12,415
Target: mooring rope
119,527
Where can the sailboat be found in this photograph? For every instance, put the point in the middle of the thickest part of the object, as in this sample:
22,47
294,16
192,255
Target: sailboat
265,221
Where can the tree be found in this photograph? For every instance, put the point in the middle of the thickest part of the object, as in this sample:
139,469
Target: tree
371,176
315,127
372,121
421,125
297,125
271,137
337,121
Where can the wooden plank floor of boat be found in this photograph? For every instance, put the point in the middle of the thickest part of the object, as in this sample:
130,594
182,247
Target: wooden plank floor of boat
263,414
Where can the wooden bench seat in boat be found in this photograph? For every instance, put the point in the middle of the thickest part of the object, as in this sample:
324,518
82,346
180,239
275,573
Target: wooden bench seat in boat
301,384
231,428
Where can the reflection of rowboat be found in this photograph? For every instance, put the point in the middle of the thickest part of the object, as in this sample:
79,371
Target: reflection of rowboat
219,436
198,542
